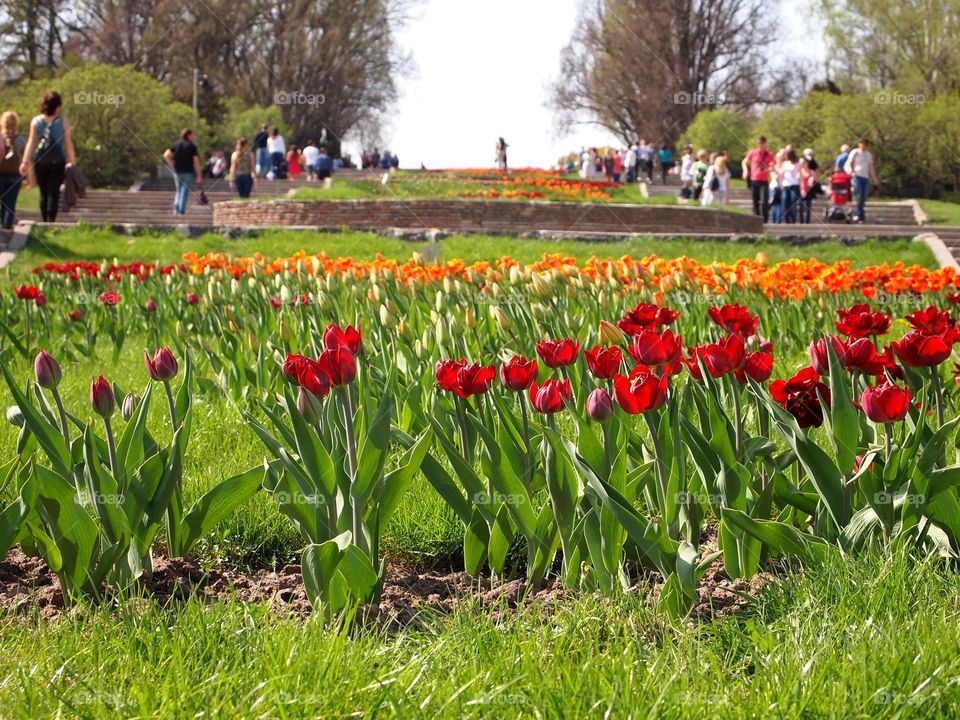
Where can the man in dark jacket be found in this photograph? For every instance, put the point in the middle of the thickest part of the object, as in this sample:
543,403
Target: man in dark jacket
259,148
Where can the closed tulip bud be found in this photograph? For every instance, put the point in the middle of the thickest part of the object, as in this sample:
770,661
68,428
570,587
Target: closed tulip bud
286,295
469,318
129,406
441,332
234,287
447,285
377,293
315,265
228,312
284,332
101,398
15,416
163,366
440,302
599,405
386,319
666,284
309,406
503,320
47,370
323,301
150,306
371,296
252,341
402,330
233,327
180,330
602,298
418,258
515,274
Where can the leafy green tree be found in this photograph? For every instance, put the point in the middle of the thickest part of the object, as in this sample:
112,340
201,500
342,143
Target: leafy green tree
240,119
719,130
122,120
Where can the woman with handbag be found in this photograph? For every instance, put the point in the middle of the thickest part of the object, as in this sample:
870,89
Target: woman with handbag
48,153
12,147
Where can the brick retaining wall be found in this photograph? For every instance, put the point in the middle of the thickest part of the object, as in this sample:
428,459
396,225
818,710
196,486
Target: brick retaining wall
483,216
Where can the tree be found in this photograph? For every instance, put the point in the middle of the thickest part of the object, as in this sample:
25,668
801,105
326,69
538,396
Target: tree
720,130
891,43
646,67
122,120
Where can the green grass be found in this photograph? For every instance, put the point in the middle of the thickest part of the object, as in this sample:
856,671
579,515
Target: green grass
941,212
877,638
95,244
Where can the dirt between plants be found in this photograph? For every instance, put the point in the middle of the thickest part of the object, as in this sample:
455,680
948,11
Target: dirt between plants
27,586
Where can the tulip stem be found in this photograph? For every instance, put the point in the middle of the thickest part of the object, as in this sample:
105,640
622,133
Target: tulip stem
661,470
462,422
112,451
171,404
738,425
356,519
606,449
937,394
64,428
527,460
888,452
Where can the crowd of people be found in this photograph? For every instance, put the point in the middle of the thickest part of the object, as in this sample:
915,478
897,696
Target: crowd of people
783,184
375,160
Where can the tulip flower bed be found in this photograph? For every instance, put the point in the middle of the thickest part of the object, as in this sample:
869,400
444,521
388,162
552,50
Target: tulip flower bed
636,436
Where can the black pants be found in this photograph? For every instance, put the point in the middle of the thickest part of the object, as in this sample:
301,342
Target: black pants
760,191
49,180
9,189
244,182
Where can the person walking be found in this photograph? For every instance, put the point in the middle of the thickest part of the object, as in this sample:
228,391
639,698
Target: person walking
617,166
686,173
310,154
501,154
607,165
700,168
860,167
260,150
293,162
789,173
756,167
184,161
716,183
277,149
632,161
809,185
646,159
12,151
665,156
243,168
48,152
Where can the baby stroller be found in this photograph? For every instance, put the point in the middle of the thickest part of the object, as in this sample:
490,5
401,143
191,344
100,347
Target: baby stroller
840,188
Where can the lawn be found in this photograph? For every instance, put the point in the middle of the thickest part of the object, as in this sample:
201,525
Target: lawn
941,212
872,632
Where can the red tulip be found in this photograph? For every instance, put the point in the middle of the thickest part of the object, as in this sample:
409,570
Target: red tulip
348,337
599,405
734,318
340,365
758,366
721,358
150,306
465,380
603,363
40,300
558,353
101,398
292,367
163,366
640,391
919,349
314,377
26,292
645,316
47,370
820,357
75,315
953,297
800,396
885,403
551,397
192,298
519,373
932,321
652,349
275,301
860,321
109,297
861,355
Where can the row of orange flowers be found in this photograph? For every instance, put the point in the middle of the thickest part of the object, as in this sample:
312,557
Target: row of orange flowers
793,279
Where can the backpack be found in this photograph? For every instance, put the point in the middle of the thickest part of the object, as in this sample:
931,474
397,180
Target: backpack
49,151
714,183
10,162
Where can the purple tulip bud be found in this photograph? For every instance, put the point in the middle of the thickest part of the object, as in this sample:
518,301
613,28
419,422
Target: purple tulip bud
47,370
101,398
129,406
163,366
599,405
310,406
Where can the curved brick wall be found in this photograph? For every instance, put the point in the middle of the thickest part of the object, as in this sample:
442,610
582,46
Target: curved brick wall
482,216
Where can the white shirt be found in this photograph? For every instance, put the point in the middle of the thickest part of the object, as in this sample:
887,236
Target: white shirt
276,145
859,163
791,173
686,167
310,154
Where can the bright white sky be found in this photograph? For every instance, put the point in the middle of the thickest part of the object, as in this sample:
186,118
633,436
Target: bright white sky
483,69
